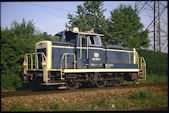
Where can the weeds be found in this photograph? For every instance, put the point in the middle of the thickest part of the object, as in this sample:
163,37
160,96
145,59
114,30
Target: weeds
150,78
101,101
137,100
56,106
141,95
21,107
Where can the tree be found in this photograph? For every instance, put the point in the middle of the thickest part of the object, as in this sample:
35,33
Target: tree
15,41
125,28
24,28
46,36
89,16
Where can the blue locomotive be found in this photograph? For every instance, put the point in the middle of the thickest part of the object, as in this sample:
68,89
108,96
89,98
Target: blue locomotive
80,58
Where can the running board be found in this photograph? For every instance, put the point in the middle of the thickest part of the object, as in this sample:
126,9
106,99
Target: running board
61,83
98,70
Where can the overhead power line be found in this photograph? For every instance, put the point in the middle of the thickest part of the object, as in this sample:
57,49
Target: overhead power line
142,7
48,7
156,17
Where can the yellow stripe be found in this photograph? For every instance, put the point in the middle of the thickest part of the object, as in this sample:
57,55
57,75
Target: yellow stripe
98,70
92,48
64,47
117,50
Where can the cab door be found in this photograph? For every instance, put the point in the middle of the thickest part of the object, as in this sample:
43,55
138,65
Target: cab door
96,53
82,52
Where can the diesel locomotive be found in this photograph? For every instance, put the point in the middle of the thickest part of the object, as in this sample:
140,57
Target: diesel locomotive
80,58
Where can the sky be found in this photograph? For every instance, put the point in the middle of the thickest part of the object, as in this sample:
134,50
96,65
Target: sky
51,17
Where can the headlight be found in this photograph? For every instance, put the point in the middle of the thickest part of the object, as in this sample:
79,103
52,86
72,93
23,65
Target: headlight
43,63
24,63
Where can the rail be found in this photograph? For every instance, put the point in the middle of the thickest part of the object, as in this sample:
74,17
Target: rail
143,66
140,61
65,57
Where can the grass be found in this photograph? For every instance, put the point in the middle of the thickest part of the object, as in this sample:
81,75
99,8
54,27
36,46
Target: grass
150,78
21,107
156,78
139,99
141,95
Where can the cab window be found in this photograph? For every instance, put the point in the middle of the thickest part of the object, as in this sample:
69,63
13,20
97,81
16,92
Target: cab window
95,40
70,37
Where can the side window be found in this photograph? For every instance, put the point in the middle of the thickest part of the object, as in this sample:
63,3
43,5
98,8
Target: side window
70,37
97,40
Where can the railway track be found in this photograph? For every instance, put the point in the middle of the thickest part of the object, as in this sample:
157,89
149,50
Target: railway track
57,91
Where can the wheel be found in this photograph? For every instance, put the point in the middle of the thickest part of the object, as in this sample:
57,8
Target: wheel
116,83
98,80
101,83
72,84
118,80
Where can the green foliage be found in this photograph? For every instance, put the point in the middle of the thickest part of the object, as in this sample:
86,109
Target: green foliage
126,29
22,108
150,78
55,106
10,81
24,28
141,95
156,62
89,15
138,100
122,28
156,78
101,101
149,99
15,42
162,99
119,103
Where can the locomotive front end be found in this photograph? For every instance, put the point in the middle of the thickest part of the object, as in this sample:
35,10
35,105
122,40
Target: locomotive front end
36,64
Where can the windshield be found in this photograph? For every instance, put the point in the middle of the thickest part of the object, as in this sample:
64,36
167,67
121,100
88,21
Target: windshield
97,40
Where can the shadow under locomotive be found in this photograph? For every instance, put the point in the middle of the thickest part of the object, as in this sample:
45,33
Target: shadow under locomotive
81,60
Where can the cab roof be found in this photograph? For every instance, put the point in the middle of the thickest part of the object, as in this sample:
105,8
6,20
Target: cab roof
91,32
87,33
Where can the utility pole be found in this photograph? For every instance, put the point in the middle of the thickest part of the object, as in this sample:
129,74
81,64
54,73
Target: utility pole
154,24
159,26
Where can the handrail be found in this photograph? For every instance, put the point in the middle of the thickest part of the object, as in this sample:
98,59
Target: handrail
64,56
80,48
31,57
137,60
143,62
140,63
